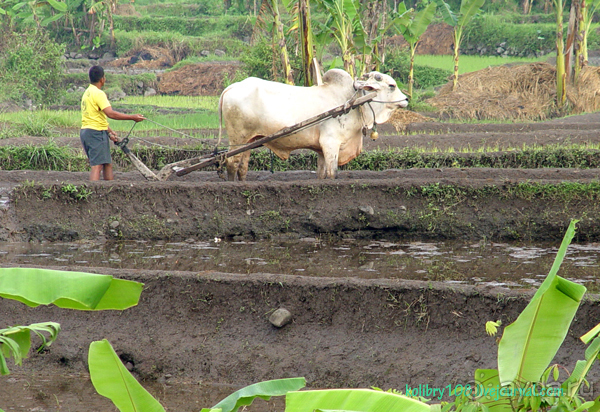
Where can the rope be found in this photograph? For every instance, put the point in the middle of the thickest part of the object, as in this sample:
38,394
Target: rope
168,128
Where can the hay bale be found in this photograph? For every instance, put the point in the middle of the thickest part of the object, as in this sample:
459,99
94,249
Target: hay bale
518,92
585,96
401,118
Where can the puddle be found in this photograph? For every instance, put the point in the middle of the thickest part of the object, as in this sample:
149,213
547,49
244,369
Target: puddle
493,264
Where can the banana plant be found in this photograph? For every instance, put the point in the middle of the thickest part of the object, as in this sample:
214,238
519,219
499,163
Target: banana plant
468,9
529,344
412,27
70,290
15,342
343,18
271,9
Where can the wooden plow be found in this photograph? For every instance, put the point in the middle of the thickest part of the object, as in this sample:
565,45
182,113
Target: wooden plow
184,167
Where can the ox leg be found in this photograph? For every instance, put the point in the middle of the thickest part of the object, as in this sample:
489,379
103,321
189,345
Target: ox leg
330,155
320,166
243,166
232,163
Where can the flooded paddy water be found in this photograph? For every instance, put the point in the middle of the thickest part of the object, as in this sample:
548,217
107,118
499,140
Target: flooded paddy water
512,265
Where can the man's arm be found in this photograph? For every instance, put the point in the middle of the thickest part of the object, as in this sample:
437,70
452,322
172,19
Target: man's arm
113,114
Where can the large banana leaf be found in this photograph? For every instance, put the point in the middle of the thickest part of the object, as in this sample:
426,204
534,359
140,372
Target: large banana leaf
70,290
263,390
447,14
529,344
468,9
111,379
359,400
15,342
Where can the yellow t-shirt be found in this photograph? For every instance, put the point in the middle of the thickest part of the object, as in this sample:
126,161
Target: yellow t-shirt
93,102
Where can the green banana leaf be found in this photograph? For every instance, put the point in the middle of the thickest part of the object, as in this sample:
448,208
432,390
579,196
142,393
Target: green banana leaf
70,290
582,367
15,342
263,390
488,391
447,14
360,400
112,380
529,343
468,9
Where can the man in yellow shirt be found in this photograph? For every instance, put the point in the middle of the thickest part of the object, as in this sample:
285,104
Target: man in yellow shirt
95,134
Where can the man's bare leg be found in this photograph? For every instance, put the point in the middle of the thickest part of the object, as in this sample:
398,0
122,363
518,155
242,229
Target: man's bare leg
108,172
95,172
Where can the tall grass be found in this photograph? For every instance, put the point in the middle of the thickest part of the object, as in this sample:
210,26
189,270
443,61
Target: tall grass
468,63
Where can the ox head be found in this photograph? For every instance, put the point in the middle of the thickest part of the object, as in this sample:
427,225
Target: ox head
386,88
389,97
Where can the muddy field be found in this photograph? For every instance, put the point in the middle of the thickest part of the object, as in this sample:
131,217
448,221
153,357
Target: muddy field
195,329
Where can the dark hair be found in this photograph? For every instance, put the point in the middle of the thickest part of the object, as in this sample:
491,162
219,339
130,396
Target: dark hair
96,74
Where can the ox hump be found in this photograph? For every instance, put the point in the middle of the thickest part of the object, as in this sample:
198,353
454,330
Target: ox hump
338,77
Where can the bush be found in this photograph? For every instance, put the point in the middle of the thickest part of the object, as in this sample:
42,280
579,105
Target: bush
31,68
183,46
258,61
491,35
397,64
225,26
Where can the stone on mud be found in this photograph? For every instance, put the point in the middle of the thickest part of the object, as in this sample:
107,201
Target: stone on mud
280,317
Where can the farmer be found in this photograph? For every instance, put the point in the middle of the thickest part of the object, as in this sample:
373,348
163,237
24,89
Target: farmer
95,132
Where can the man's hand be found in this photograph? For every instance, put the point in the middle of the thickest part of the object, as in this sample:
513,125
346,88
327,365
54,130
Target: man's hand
113,136
138,117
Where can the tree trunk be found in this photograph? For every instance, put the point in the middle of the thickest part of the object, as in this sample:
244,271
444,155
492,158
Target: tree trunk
580,41
561,78
285,61
456,54
306,40
572,29
411,76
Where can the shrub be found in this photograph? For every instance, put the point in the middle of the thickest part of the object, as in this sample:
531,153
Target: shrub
397,65
225,26
31,68
258,61
487,33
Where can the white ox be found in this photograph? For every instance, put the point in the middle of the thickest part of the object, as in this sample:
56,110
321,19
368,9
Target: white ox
254,108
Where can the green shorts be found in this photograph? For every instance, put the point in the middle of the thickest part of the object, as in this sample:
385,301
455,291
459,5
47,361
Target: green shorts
96,145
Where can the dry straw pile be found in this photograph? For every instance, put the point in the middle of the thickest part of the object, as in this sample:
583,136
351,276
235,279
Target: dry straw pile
515,92
503,92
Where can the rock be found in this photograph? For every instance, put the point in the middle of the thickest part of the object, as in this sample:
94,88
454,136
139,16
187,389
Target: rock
280,317
149,92
367,209
115,224
204,53
93,56
117,95
78,56
108,56
140,85
219,53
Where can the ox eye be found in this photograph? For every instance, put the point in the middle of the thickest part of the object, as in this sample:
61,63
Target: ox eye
392,86
378,77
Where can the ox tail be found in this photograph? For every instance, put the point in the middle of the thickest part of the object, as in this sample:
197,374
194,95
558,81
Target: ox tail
220,112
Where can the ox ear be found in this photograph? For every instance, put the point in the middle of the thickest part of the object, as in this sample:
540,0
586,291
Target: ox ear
367,86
